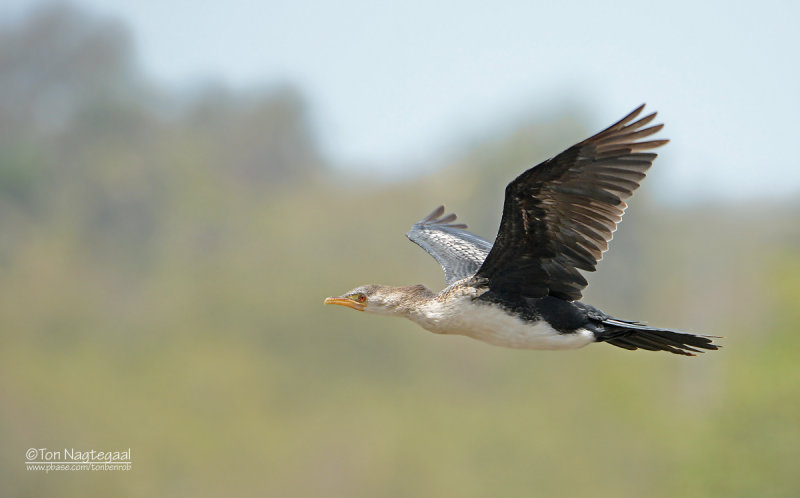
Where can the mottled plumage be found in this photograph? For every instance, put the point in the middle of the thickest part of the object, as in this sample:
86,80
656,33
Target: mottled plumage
459,252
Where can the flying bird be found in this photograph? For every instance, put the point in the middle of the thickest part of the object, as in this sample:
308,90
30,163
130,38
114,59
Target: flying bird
524,290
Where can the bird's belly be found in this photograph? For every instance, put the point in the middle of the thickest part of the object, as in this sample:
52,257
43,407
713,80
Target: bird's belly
496,326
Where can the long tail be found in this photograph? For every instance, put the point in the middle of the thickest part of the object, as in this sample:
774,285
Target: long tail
633,335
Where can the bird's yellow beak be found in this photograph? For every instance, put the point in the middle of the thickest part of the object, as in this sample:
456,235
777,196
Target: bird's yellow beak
345,301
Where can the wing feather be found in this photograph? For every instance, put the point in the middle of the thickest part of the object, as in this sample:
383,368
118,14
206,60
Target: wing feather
459,252
560,215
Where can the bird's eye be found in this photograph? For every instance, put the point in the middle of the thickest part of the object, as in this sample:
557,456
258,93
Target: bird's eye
362,298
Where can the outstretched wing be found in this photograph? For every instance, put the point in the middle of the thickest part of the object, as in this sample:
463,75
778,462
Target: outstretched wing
559,216
459,252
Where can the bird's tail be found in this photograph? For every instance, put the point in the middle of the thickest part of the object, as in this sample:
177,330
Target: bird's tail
634,335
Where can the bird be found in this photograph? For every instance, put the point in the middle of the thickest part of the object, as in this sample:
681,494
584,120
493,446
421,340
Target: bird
523,291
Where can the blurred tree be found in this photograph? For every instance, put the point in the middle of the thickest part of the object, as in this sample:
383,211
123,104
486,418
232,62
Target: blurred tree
54,65
262,138
85,136
56,61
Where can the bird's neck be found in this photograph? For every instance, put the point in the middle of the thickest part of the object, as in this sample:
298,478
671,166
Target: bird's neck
408,302
422,306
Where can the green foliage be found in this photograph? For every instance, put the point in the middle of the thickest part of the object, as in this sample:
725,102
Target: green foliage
166,295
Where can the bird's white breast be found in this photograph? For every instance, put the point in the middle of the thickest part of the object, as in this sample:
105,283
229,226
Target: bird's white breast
489,323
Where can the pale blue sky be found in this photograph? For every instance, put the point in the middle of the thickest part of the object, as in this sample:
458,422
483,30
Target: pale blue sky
399,83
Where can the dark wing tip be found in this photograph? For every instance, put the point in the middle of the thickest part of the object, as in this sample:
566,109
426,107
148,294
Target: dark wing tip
652,144
436,218
433,215
628,118
626,129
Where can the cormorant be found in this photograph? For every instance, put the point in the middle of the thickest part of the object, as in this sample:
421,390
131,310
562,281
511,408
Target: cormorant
523,291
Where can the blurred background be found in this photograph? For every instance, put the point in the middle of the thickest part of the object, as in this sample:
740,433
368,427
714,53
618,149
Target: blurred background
181,186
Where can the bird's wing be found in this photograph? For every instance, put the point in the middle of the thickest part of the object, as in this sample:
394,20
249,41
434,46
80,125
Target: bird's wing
459,252
559,216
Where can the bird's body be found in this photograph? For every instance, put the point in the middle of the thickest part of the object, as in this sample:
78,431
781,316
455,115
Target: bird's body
461,313
523,291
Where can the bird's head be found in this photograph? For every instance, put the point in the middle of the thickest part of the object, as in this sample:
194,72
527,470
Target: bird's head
369,298
381,299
